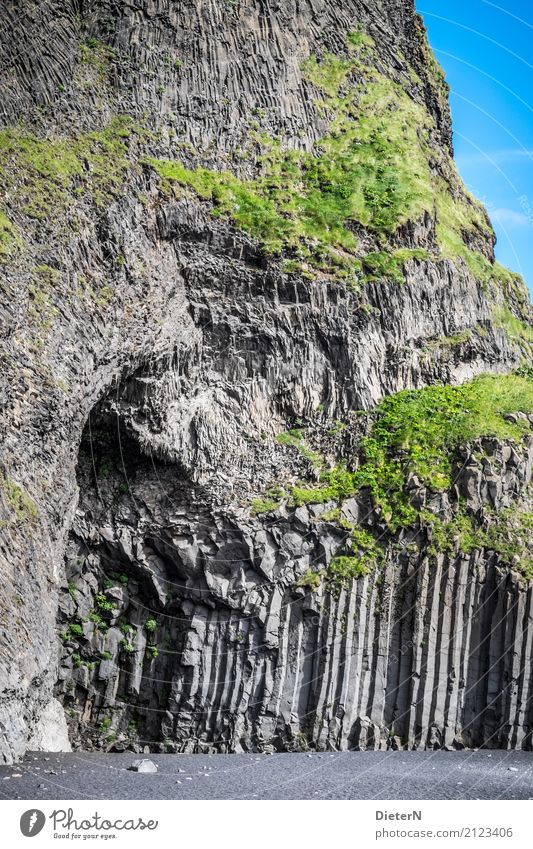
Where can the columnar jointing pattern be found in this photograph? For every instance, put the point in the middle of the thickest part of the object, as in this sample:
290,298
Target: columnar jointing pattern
430,650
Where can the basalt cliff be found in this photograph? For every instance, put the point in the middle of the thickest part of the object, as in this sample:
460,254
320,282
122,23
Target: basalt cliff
266,396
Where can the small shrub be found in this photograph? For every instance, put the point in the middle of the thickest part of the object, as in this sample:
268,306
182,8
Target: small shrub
311,580
103,603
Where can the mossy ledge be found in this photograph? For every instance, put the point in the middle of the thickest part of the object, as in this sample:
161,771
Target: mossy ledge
414,441
377,168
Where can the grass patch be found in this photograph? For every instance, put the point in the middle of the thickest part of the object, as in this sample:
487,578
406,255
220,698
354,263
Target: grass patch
370,168
363,555
507,533
390,265
419,431
21,508
375,167
43,175
516,330
9,238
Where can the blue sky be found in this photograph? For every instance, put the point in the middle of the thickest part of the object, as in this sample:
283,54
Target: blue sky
485,49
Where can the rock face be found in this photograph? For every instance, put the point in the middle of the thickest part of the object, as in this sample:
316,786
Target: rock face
211,644
159,349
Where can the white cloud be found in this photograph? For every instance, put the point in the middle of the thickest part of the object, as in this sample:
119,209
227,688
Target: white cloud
509,217
494,157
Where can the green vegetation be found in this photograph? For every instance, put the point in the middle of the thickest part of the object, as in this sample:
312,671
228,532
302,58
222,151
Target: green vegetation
418,432
430,62
99,623
265,504
103,603
385,264
43,176
311,580
269,502
9,238
128,647
152,652
506,532
150,625
516,330
106,655
374,167
454,341
343,569
364,555
367,169
296,439
75,629
22,509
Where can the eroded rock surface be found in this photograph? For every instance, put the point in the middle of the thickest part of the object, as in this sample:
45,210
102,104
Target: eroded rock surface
212,645
124,301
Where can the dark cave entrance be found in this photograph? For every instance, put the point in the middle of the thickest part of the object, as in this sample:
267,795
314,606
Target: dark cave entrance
119,623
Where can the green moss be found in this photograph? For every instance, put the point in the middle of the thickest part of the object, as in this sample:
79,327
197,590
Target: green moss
95,617
344,569
420,431
264,504
75,629
9,238
390,265
150,625
296,439
311,580
431,65
364,555
376,166
358,38
370,168
453,341
44,175
516,330
103,603
507,533
22,509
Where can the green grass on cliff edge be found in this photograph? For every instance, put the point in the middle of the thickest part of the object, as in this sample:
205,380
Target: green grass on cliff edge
43,176
418,432
377,166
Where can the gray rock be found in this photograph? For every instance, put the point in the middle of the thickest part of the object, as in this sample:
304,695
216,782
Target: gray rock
143,765
163,357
